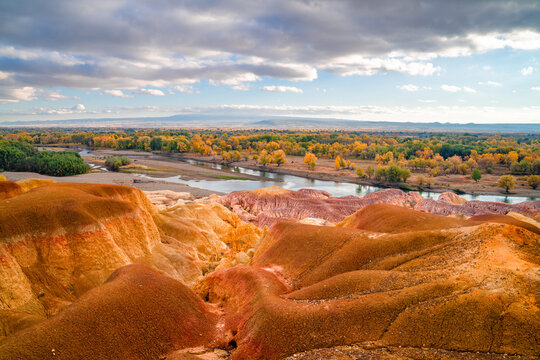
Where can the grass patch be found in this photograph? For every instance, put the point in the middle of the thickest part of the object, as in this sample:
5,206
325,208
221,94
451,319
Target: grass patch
405,186
225,177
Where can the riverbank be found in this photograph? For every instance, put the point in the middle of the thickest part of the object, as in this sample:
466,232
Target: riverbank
325,171
171,165
116,178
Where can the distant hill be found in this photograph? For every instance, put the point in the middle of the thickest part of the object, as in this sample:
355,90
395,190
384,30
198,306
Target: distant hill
276,122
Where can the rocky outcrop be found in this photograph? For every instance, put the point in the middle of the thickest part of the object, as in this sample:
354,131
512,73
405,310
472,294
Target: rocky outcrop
138,313
396,219
475,207
269,205
385,282
467,289
451,198
57,241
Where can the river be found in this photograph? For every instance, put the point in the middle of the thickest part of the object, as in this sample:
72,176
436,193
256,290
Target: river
293,182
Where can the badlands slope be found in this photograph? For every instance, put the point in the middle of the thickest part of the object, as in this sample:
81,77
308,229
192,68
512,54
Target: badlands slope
109,272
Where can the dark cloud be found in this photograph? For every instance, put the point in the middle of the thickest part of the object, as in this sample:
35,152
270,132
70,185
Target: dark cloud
121,43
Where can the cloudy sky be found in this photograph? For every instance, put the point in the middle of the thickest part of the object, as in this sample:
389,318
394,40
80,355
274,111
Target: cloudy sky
406,60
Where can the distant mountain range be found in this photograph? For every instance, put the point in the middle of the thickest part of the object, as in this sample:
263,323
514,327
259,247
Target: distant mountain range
276,122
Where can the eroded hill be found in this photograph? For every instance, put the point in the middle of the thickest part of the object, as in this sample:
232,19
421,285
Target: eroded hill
387,281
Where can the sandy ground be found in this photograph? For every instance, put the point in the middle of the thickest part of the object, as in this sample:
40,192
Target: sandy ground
114,178
325,171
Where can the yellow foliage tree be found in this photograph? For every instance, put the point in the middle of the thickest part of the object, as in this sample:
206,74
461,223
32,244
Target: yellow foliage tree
310,159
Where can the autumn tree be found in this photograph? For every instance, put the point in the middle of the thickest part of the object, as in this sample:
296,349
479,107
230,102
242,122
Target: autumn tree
359,172
226,156
264,157
338,162
279,157
506,182
370,171
310,159
533,181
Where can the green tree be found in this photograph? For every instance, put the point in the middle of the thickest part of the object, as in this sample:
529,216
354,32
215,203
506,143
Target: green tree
476,174
359,172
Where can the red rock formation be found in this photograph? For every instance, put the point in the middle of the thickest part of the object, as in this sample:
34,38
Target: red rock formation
475,207
266,206
505,219
463,289
57,241
387,277
137,314
396,219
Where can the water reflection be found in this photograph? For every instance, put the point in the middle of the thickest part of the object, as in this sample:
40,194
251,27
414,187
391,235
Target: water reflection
293,182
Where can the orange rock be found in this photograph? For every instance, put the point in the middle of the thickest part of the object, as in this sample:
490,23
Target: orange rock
137,314
57,241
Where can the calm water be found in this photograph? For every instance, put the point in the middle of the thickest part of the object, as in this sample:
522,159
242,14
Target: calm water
292,182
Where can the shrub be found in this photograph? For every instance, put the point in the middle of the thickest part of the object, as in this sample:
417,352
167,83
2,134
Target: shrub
359,172
114,163
370,171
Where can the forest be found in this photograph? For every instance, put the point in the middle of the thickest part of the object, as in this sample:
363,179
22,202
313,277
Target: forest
394,155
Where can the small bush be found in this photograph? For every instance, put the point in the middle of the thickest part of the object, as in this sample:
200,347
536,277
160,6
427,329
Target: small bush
114,163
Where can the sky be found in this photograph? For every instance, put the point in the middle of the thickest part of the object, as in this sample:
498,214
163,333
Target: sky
457,61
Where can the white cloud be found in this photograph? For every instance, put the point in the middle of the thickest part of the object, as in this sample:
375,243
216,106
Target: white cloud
408,87
427,101
282,89
450,88
469,90
186,89
536,88
490,83
361,65
527,71
486,68
238,82
14,95
153,92
117,93
77,109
